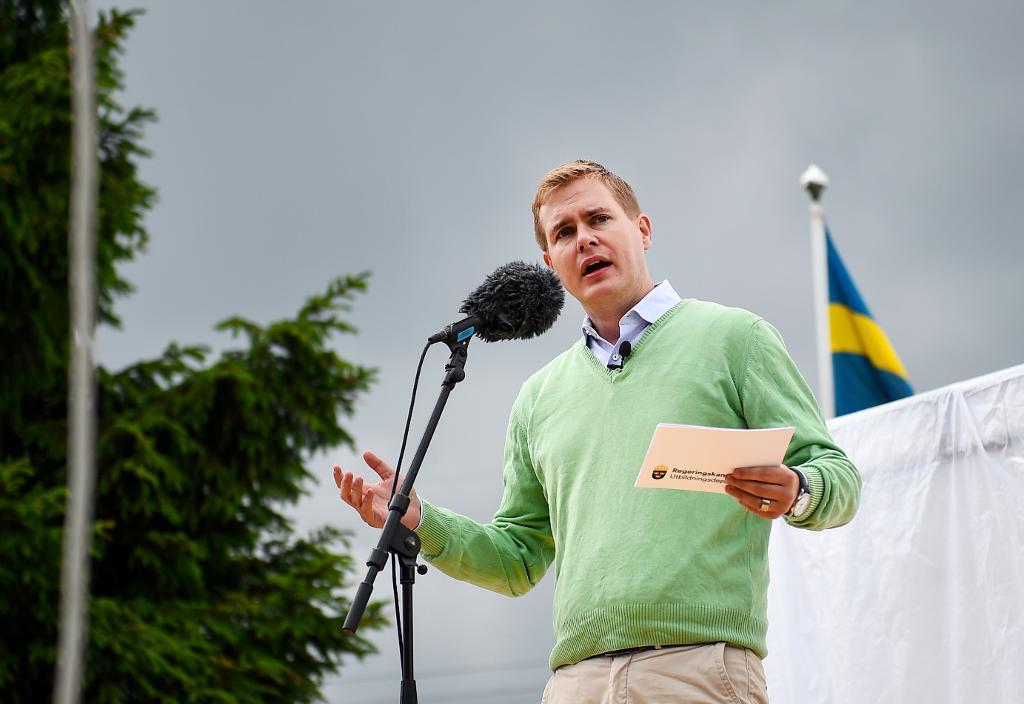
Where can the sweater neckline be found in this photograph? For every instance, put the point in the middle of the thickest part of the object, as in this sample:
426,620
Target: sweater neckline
612,374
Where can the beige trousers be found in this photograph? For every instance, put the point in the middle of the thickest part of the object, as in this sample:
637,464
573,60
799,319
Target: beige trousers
711,673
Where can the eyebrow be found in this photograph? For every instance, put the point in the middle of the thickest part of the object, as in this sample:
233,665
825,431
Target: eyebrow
589,212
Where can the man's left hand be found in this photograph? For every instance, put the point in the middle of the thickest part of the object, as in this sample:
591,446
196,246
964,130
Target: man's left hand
750,485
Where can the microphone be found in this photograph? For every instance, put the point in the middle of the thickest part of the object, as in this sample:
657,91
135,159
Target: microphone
515,302
624,350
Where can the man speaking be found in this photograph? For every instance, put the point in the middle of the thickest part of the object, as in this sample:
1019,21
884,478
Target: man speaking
660,596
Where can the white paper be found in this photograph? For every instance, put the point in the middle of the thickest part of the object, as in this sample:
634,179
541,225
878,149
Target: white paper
696,458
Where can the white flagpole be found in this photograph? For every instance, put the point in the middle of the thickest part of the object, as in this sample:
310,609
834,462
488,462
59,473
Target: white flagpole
67,688
814,181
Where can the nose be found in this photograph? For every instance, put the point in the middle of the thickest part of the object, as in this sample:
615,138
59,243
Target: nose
585,237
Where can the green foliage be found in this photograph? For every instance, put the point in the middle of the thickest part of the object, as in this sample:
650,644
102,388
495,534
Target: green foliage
200,589
35,99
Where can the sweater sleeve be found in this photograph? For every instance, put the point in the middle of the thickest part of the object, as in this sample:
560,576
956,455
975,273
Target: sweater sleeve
773,394
511,553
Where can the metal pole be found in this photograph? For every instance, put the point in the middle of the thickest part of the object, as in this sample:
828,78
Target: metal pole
814,181
81,391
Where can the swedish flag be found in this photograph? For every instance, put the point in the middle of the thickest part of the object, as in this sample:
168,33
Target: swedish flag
866,370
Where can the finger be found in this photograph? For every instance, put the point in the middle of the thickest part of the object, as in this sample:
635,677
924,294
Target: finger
357,494
752,503
367,510
777,474
382,468
346,488
745,498
337,475
761,489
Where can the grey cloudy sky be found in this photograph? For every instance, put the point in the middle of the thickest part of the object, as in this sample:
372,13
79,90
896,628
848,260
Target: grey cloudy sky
300,141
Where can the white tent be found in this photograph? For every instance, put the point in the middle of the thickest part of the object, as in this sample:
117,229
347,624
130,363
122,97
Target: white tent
921,597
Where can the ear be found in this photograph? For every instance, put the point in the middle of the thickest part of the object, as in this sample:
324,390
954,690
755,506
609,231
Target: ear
646,230
547,260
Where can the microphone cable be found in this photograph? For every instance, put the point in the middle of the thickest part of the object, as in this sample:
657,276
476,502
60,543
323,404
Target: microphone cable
394,489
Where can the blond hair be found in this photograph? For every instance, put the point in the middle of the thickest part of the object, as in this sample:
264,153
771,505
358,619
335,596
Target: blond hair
571,171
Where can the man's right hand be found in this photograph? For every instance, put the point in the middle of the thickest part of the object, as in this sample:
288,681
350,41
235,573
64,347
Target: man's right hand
371,501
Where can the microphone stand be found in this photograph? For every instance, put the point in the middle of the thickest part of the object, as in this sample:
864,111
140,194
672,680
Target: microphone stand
397,539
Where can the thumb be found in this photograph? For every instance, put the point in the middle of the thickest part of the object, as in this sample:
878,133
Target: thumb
382,468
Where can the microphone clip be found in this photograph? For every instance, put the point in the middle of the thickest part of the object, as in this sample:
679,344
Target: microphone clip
625,349
456,333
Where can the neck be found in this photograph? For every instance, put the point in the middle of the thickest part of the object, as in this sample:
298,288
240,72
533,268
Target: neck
606,321
608,329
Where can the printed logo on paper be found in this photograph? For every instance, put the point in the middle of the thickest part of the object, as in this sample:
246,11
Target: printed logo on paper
659,472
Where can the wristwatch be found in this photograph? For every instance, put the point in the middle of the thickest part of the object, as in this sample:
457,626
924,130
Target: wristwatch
803,497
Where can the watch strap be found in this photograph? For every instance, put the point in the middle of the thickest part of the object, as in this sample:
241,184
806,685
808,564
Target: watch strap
803,491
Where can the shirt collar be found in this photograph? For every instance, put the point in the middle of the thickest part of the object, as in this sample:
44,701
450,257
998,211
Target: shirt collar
655,304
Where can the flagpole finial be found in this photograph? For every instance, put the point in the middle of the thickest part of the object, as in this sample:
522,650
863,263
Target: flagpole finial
815,181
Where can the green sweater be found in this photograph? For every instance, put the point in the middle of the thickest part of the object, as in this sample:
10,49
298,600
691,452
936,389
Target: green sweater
638,567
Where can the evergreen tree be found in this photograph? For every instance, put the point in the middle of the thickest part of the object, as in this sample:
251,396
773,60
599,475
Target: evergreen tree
200,590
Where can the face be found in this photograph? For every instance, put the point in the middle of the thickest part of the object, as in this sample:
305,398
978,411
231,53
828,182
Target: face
597,250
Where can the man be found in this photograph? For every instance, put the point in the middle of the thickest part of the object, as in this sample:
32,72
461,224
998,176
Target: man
659,595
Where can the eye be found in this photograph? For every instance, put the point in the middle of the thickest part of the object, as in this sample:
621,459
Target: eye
564,232
602,218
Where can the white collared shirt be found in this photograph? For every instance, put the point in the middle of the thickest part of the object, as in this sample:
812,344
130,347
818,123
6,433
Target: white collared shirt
632,325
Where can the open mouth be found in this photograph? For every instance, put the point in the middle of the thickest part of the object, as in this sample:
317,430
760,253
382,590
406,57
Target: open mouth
594,267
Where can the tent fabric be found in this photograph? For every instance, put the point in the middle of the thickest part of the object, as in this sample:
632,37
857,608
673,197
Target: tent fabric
921,597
